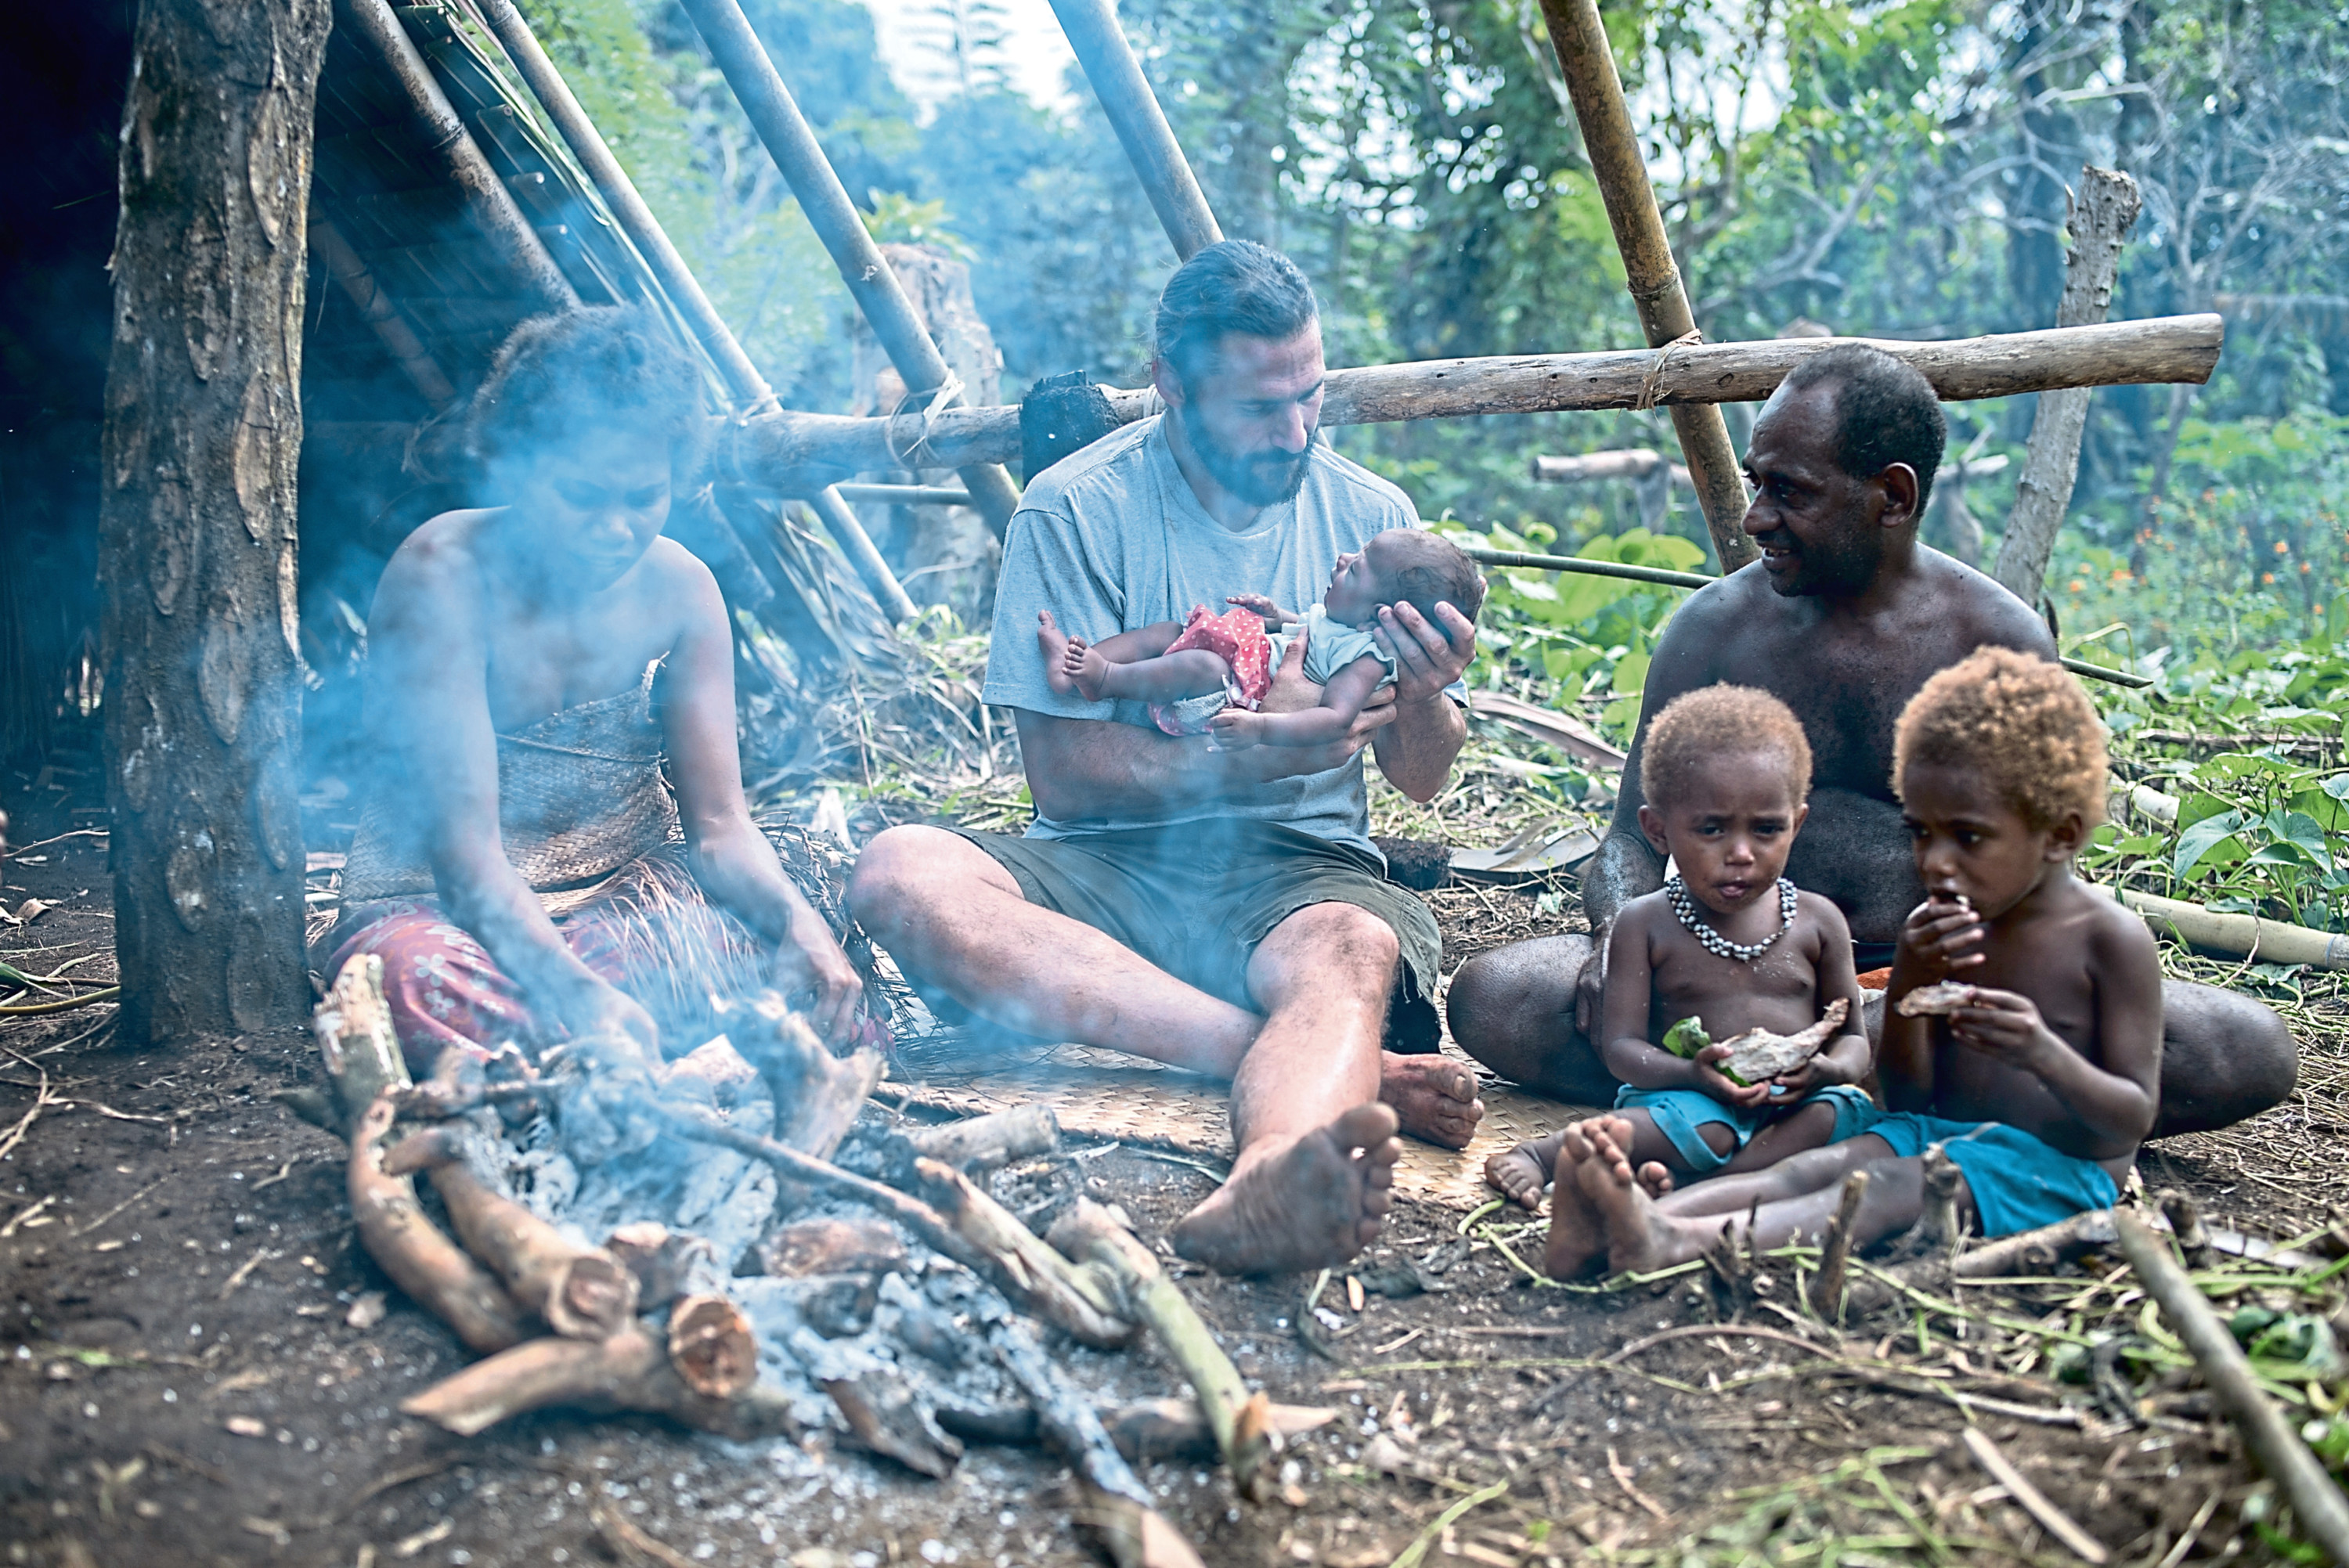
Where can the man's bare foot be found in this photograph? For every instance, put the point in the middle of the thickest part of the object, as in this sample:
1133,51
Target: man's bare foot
1434,1096
1054,643
1313,1205
1577,1235
1641,1237
1521,1173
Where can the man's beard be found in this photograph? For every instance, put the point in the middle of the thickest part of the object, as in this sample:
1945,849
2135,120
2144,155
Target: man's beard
1259,479
1822,569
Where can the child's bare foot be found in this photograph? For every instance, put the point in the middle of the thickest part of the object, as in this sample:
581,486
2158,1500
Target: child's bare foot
1312,1204
1521,1173
1657,1177
1577,1232
1055,644
1087,668
1640,1237
1435,1097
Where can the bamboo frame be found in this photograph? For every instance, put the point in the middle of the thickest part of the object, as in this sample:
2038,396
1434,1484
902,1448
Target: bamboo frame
1140,121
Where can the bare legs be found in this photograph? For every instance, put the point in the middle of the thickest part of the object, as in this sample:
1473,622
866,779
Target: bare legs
1512,1009
1601,1208
1317,1152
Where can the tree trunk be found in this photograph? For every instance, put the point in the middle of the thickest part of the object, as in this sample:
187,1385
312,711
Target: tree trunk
203,424
2102,218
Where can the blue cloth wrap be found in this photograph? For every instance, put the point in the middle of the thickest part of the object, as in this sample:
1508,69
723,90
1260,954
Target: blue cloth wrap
1678,1113
2019,1182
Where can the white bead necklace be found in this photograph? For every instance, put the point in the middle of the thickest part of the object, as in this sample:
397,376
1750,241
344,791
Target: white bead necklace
1676,893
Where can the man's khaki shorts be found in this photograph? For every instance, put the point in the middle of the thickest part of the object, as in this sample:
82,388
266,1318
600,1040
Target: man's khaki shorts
1195,899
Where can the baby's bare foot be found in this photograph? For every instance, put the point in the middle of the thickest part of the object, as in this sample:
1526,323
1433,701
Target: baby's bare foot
1088,668
1055,645
1435,1096
1520,1173
1577,1235
1313,1205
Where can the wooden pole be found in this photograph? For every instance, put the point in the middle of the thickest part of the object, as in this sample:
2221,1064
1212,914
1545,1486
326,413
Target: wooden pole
776,118
2181,348
492,205
1135,115
858,546
2102,215
2318,1507
196,517
1580,40
391,326
1634,463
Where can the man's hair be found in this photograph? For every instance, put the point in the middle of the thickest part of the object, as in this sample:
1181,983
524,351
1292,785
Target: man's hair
1886,412
1720,721
2022,723
557,377
1236,285
1427,569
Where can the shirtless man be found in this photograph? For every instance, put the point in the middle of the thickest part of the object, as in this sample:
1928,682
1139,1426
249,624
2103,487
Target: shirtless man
1843,617
1213,910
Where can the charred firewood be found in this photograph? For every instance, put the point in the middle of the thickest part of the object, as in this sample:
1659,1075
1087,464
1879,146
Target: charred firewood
431,1268
583,1293
883,1415
1072,1296
1118,1510
807,1247
983,1143
355,1039
817,1095
628,1372
1144,1431
981,1236
657,1256
1241,1421
712,1346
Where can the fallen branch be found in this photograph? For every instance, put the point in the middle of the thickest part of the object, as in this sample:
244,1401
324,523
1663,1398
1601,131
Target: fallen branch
628,1372
2033,1501
67,1004
1145,1430
2318,1506
1241,1421
987,1142
1834,1257
1064,1294
434,1272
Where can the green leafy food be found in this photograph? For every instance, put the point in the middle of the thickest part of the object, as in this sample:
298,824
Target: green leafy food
1686,1039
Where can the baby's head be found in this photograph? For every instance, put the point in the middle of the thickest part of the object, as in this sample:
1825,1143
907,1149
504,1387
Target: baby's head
1999,761
1403,566
1726,772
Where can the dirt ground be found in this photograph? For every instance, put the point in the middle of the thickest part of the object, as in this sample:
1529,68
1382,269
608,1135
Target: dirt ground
196,1365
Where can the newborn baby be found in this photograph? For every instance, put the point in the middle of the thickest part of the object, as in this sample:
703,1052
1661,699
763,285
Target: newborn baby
1206,675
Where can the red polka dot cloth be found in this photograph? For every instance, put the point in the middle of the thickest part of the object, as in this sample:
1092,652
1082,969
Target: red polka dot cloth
1237,636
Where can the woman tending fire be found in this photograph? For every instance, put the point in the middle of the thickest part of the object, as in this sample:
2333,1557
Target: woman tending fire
560,844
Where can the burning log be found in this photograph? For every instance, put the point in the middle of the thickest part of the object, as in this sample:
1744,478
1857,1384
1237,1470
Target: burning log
583,1293
806,1247
983,1236
1145,1430
817,1095
883,1415
434,1272
712,1346
981,1143
631,1372
1241,1421
657,1256
1118,1509
357,1041
1065,1293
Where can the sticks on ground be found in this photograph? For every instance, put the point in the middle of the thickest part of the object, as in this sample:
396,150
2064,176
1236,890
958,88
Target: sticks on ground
2317,1503
630,1371
1835,1257
987,1142
1241,1421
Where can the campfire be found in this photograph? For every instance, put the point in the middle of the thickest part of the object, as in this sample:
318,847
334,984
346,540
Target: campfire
751,1246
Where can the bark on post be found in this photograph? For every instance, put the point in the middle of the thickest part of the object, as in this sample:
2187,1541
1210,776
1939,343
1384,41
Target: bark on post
2102,215
203,424
1650,274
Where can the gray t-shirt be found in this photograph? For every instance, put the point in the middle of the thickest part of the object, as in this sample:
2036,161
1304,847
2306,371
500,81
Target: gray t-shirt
1111,539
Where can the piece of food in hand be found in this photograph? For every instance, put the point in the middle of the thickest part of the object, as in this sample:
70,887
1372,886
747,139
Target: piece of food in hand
1687,1037
1941,997
1757,1055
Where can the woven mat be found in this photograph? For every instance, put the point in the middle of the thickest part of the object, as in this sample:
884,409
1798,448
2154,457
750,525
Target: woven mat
1109,1095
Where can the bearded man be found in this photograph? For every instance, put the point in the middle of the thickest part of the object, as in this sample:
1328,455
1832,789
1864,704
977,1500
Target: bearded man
1842,618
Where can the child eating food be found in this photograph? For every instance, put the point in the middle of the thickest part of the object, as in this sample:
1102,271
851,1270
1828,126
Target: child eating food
1728,947
1206,675
2031,1048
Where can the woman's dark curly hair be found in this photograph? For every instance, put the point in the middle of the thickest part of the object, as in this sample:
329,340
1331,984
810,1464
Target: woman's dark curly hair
595,367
